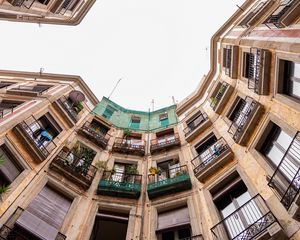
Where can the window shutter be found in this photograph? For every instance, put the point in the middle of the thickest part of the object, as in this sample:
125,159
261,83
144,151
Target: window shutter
45,214
173,219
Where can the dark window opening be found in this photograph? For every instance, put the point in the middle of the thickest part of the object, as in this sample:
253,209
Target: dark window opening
45,2
206,144
99,128
110,226
108,112
5,84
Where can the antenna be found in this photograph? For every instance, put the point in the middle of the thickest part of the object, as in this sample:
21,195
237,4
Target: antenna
114,88
173,99
239,7
42,70
152,102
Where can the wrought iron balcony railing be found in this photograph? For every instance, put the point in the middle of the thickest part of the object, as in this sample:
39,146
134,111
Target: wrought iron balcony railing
174,180
129,146
275,18
209,155
242,118
32,90
66,5
33,133
164,142
286,179
66,105
74,167
201,118
247,222
5,111
99,136
120,184
217,98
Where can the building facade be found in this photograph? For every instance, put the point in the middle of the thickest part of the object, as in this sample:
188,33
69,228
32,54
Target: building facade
222,164
65,12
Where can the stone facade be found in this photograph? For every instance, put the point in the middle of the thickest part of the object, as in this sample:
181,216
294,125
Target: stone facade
227,169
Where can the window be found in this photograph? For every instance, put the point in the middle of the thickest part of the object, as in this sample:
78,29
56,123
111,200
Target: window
45,129
227,57
165,137
106,224
208,147
240,110
135,122
99,128
122,172
164,120
9,169
44,216
289,78
108,112
4,84
174,224
45,2
248,67
168,169
7,106
195,120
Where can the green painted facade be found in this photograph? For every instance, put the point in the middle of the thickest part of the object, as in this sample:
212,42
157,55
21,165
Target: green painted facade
122,118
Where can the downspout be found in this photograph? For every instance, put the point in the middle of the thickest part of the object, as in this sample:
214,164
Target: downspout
145,178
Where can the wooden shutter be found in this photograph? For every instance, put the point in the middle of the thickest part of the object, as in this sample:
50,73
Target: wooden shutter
45,214
8,168
173,219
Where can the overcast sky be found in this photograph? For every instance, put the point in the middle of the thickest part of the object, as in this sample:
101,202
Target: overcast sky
160,48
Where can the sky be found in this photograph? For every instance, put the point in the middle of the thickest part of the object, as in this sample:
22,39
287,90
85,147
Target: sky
159,48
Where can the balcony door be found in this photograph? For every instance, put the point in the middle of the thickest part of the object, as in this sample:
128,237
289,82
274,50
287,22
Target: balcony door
168,169
236,209
208,148
241,109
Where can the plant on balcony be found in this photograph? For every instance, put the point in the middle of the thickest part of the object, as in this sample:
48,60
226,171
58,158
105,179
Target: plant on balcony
131,169
78,107
214,100
86,156
222,89
153,170
101,165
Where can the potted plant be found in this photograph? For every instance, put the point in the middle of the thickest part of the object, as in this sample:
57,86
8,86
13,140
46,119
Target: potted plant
78,107
131,169
126,133
153,170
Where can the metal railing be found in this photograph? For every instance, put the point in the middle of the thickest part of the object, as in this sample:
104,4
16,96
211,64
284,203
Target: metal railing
77,166
217,98
32,128
164,141
129,144
255,69
167,175
274,18
68,108
66,5
242,117
118,183
286,179
201,118
99,134
209,155
245,223
22,3
5,84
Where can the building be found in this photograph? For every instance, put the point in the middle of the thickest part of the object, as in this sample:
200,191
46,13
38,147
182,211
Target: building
65,12
222,164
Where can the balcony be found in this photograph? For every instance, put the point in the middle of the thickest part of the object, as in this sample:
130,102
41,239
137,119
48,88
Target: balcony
120,184
253,220
9,231
164,143
284,15
211,160
286,179
174,180
5,111
36,139
129,146
199,122
65,106
22,3
97,136
220,96
245,120
76,169
259,63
